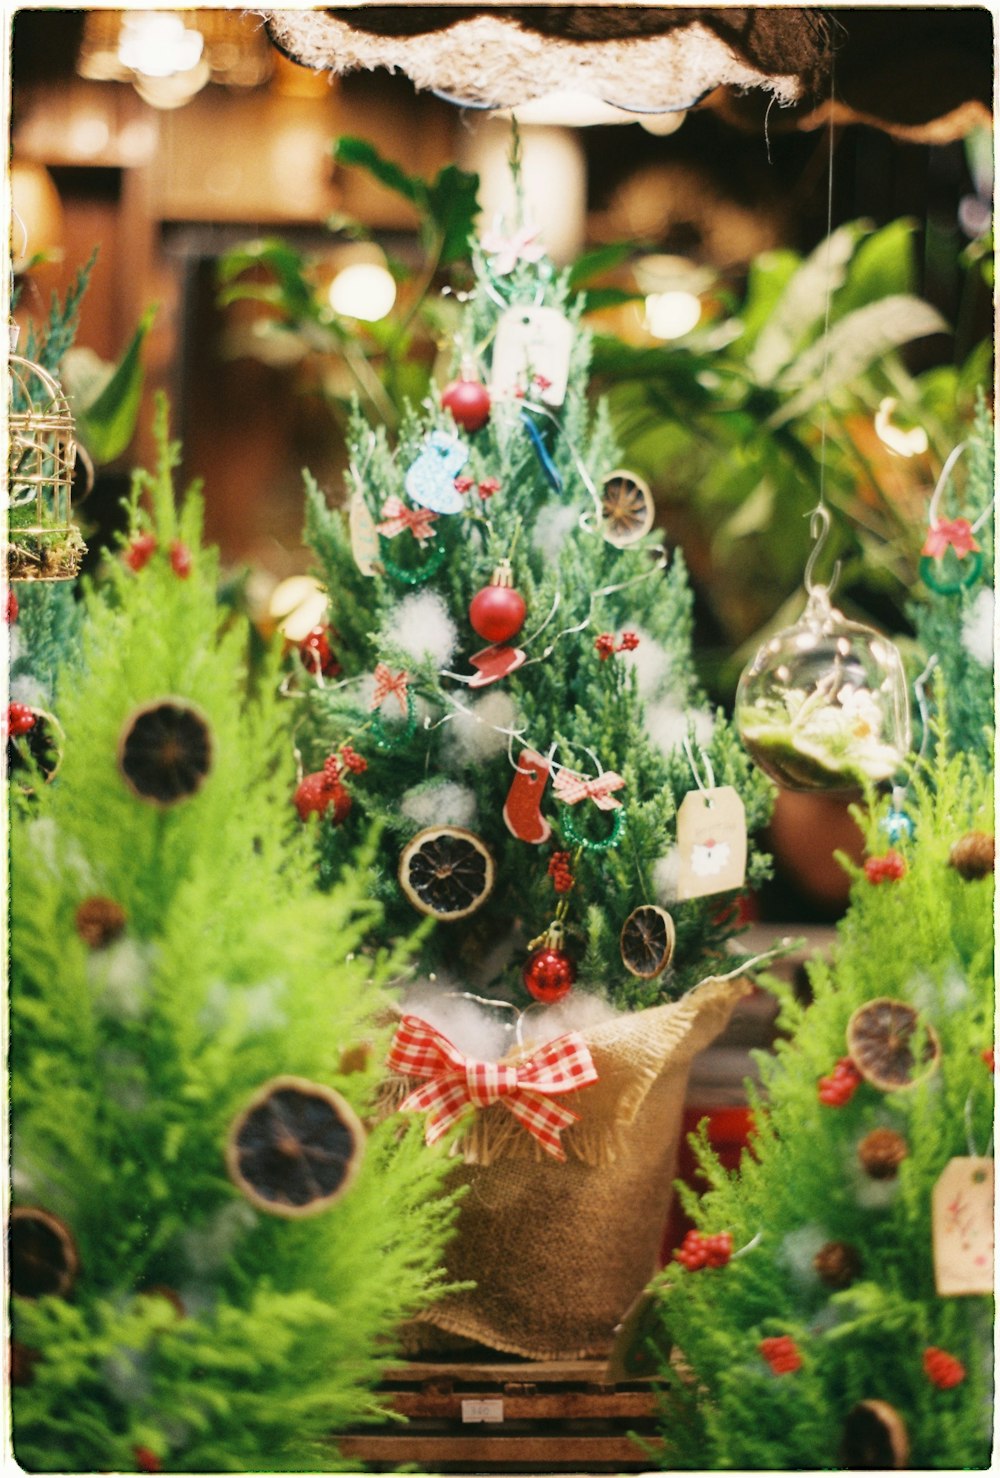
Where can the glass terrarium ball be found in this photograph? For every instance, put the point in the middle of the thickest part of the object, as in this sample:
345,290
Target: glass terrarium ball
824,704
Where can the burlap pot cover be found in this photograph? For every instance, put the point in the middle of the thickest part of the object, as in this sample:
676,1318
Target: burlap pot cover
558,1251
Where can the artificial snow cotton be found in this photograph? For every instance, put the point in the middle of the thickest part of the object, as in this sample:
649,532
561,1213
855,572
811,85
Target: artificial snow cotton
487,1032
439,803
666,876
553,526
120,978
667,725
421,627
977,628
27,689
209,1247
649,661
477,734
798,1253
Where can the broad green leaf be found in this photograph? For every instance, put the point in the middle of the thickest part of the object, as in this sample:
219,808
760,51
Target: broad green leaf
107,424
359,153
287,265
882,267
852,345
453,206
601,259
754,514
802,305
770,273
595,298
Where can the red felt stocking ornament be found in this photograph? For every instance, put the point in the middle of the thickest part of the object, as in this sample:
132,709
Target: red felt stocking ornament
522,810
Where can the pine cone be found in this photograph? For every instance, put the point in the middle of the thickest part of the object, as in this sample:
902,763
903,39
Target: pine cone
973,855
882,1152
837,1264
99,921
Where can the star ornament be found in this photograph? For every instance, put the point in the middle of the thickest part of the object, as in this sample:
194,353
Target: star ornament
947,534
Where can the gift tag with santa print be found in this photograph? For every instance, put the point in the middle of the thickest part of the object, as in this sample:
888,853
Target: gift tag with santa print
364,535
711,842
962,1226
531,354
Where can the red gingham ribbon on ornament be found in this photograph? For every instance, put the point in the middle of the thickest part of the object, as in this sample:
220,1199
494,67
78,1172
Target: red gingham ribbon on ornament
956,533
572,788
388,685
561,1066
396,517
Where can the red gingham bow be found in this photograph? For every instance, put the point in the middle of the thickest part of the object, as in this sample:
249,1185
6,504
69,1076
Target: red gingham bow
572,788
957,533
386,685
561,1066
397,517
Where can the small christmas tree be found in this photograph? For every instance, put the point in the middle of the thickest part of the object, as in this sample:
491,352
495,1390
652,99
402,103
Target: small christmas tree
509,653
189,1021
832,1308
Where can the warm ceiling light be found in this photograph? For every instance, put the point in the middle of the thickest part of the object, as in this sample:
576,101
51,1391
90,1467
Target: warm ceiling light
157,43
671,315
37,213
363,290
298,604
168,56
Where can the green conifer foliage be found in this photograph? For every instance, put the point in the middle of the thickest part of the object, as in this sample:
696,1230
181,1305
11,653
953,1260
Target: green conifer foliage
832,1247
532,480
211,966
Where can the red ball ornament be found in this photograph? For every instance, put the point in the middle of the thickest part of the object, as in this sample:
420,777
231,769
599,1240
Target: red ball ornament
469,403
549,974
318,794
496,613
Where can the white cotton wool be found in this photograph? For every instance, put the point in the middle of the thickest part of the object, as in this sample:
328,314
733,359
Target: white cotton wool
553,526
577,1012
650,662
977,628
440,803
120,977
476,736
27,689
422,628
798,1253
477,1030
666,875
667,725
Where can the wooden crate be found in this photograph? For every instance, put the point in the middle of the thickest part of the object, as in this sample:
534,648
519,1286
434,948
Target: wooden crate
498,1415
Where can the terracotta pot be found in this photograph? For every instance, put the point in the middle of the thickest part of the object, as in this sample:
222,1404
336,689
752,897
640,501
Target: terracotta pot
806,831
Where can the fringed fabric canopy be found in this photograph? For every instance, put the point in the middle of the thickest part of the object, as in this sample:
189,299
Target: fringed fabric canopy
921,73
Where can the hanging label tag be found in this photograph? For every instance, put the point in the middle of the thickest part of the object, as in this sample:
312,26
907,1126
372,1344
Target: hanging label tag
712,842
531,354
364,536
962,1226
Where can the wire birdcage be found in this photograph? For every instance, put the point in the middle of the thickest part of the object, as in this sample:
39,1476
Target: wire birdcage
43,542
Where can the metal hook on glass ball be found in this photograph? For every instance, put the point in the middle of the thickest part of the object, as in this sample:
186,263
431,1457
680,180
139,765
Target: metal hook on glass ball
820,524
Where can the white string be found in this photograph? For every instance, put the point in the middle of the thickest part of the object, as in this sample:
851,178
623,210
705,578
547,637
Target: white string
694,766
953,456
819,519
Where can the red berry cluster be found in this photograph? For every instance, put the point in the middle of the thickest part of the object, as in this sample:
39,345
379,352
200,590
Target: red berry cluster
887,869
146,1460
697,1251
606,646
942,1369
19,718
988,1055
541,383
317,654
10,607
487,487
781,1353
560,873
840,1086
141,549
353,761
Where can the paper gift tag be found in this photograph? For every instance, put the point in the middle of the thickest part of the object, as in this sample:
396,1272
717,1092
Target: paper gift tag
531,354
364,535
493,663
962,1226
711,841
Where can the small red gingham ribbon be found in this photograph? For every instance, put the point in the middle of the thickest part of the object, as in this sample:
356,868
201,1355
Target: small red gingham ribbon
956,533
561,1066
573,788
396,517
387,685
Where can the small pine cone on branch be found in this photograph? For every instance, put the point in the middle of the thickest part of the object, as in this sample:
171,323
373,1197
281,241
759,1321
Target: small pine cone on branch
99,922
973,855
882,1152
837,1264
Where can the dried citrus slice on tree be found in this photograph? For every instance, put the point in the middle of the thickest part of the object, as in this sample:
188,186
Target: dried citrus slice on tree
37,747
446,872
880,1040
165,751
42,1254
647,941
295,1148
874,1437
627,506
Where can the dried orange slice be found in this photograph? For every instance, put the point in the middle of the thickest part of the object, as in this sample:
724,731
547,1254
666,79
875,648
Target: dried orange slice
874,1437
39,748
165,751
627,506
295,1148
446,872
42,1254
647,941
880,1043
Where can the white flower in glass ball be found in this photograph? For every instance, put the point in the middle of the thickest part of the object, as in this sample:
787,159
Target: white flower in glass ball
824,704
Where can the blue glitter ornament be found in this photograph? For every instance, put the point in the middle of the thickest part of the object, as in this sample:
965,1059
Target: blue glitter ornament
896,824
430,481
